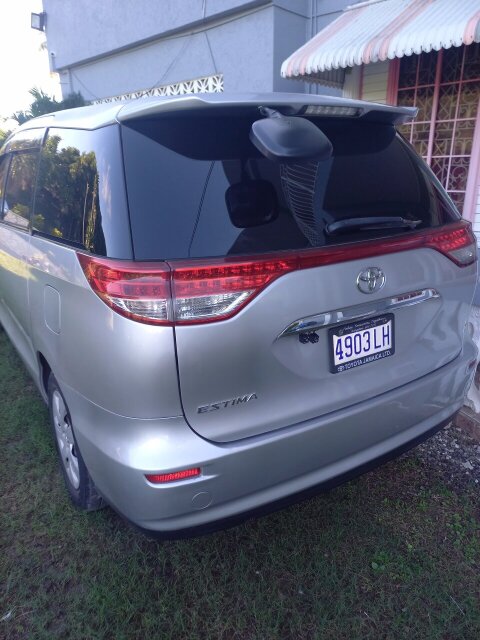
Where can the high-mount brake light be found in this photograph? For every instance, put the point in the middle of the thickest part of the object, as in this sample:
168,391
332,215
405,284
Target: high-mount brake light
200,291
332,110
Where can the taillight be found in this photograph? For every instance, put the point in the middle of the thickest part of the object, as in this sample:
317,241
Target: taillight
138,290
198,291
204,293
459,244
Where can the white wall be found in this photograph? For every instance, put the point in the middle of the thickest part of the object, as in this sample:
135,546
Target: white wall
79,30
242,50
107,48
476,217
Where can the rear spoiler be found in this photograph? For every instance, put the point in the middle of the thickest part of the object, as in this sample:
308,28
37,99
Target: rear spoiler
291,104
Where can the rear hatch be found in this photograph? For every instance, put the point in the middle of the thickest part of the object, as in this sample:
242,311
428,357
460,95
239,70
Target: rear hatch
298,288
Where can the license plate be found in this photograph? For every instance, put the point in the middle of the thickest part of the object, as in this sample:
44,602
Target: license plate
358,343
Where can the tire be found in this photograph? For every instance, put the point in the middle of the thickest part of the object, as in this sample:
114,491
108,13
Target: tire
78,482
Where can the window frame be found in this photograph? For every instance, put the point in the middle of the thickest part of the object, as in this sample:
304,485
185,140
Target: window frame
8,158
22,141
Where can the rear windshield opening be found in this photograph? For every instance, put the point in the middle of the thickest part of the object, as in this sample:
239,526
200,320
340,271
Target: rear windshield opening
197,187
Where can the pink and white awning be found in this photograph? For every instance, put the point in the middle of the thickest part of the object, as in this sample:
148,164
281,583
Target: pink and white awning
383,30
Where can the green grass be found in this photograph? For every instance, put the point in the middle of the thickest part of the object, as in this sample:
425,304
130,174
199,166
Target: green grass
394,554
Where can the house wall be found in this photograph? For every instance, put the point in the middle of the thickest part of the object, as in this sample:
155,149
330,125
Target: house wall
114,47
325,11
322,12
80,30
374,82
475,178
110,48
352,84
242,50
476,217
290,25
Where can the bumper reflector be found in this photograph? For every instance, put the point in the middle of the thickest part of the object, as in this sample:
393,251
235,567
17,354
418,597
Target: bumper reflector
160,478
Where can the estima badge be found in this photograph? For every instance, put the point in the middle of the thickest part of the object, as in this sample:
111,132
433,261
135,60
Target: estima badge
233,402
370,280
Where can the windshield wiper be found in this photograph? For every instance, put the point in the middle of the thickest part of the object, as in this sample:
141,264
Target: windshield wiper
372,222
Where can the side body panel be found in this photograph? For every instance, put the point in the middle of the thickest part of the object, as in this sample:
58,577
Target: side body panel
15,276
123,366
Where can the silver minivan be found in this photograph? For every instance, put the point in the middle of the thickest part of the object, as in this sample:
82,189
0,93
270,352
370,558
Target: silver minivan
229,302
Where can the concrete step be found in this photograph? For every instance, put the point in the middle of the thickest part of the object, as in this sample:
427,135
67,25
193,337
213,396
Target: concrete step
468,421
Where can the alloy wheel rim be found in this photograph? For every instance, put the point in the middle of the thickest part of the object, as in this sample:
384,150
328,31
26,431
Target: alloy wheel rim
65,440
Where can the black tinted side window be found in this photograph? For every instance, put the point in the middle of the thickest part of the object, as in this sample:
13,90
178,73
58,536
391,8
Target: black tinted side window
80,194
18,196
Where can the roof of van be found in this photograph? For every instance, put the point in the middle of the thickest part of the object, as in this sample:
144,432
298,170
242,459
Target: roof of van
100,115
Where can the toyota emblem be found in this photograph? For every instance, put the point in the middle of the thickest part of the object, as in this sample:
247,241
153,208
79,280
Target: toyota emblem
370,280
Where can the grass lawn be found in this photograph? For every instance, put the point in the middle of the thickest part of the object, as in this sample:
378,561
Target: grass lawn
394,554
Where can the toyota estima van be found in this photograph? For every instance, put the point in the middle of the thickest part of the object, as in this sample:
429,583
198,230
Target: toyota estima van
231,301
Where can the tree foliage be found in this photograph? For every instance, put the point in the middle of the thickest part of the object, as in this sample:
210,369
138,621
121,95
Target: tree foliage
43,103
67,202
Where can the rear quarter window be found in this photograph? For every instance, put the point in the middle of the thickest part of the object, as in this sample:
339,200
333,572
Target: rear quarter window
80,197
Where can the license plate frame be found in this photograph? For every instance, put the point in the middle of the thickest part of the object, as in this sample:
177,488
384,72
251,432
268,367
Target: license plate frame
359,327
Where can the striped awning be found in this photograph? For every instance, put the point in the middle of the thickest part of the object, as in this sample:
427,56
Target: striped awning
383,30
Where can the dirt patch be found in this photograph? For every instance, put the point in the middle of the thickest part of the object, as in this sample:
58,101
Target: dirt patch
454,454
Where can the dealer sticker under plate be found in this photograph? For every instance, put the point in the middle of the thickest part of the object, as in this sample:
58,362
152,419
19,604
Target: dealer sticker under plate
358,343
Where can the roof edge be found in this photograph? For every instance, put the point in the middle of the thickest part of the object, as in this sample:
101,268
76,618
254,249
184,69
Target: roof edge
97,116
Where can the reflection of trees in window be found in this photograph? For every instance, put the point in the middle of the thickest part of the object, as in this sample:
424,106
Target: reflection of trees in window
4,160
67,203
19,189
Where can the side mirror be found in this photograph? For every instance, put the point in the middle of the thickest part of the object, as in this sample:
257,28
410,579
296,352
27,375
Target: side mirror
289,138
251,203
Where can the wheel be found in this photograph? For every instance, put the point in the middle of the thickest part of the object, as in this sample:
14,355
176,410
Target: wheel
80,486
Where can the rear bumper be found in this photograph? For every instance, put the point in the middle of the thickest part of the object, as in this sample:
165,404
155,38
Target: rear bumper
288,500
259,472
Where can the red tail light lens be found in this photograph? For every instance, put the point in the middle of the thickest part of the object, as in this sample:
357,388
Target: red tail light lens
202,293
138,290
198,291
459,244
